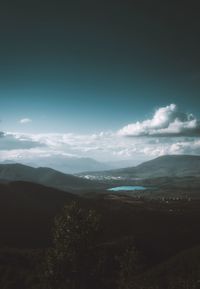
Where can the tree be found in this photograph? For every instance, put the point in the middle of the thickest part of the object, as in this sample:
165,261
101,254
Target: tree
72,261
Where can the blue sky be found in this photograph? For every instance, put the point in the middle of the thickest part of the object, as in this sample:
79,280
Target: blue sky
86,70
72,110
87,66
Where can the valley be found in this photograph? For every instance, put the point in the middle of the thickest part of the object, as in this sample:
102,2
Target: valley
159,216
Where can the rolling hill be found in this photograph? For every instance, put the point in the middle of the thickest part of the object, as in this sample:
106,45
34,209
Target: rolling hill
45,176
164,166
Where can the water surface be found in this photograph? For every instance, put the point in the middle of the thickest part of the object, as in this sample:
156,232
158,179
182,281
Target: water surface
127,188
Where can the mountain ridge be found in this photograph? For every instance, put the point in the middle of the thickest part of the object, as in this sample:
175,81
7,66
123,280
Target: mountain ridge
65,164
45,176
163,166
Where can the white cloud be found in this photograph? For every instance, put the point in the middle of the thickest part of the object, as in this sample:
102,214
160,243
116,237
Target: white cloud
152,140
103,147
25,120
166,121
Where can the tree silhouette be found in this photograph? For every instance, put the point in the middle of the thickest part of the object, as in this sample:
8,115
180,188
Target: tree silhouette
72,262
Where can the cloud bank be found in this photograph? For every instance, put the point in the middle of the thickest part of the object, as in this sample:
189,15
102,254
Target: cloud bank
106,147
168,132
166,121
11,141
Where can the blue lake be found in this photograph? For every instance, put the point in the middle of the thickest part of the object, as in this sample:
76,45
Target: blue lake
127,188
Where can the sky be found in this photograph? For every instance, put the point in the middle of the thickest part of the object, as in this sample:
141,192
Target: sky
112,80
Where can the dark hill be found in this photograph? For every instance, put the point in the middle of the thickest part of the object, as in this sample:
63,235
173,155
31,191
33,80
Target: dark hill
171,166
44,176
32,196
164,166
27,211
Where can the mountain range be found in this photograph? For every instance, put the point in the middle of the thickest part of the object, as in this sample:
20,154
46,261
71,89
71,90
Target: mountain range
164,166
66,164
45,176
166,172
73,165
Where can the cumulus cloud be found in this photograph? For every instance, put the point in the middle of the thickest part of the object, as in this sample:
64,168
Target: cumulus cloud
166,121
25,120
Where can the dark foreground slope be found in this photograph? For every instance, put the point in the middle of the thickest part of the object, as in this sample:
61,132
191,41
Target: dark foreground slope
27,211
180,271
159,230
